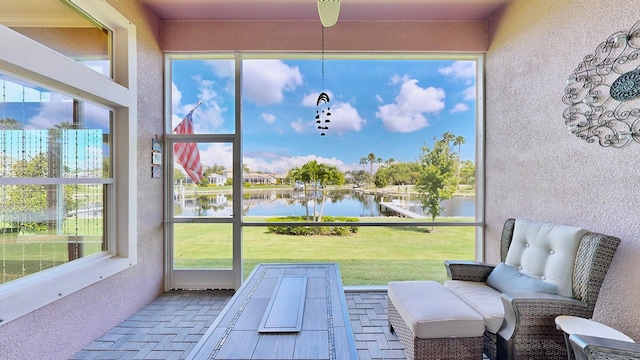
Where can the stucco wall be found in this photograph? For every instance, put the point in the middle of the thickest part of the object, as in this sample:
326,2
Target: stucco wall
60,329
535,168
460,36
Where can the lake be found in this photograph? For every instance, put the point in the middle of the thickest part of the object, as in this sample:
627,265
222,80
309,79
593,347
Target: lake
283,202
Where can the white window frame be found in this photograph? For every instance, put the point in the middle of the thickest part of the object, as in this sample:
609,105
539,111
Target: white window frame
27,59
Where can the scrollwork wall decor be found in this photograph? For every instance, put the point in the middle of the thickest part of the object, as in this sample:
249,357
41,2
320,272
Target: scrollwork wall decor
603,93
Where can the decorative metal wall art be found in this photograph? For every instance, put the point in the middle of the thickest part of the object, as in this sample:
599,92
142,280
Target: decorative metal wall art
603,93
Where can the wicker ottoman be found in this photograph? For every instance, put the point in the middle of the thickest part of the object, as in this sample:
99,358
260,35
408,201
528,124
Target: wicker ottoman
433,323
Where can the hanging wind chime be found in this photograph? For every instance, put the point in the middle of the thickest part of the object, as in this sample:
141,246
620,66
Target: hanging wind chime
328,11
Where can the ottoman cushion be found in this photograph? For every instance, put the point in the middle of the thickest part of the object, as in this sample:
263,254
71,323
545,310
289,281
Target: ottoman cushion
432,311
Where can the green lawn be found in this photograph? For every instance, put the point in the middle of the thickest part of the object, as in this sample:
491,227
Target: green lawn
374,256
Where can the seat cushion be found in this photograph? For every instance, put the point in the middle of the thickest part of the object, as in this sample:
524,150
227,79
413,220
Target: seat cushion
546,251
432,311
482,298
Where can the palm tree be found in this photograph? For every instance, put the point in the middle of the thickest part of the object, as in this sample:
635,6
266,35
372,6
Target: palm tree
458,140
328,174
372,158
363,161
317,175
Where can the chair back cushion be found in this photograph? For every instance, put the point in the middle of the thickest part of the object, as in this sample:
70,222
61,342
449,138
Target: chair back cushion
546,251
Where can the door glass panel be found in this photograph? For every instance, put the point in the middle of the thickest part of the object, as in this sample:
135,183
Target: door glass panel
202,246
203,188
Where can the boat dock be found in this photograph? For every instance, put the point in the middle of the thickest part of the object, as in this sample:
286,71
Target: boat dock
399,210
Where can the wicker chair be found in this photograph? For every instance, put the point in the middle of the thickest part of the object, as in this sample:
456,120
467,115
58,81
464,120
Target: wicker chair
597,348
528,330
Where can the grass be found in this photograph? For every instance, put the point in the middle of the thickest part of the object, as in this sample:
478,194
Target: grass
373,256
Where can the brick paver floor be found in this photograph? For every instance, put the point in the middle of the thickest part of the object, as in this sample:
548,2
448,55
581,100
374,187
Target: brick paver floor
171,325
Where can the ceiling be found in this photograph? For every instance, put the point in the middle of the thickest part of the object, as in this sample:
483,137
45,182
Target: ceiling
350,10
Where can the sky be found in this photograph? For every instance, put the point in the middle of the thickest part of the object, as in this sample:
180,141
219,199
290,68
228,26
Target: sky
387,107
37,110
390,108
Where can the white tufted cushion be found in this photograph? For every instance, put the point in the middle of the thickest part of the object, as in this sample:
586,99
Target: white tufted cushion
546,251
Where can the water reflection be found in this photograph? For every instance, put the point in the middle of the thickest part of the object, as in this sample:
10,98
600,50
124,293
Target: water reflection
283,202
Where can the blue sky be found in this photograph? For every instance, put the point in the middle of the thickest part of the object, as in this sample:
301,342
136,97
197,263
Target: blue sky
386,107
37,110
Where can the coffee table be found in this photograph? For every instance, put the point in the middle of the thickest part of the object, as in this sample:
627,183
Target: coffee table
283,311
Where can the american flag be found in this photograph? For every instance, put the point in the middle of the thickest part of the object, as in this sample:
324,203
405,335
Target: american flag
188,154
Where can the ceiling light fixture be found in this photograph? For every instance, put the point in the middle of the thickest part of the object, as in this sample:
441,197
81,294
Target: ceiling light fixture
328,11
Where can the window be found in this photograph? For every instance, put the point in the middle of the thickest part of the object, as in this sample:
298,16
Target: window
62,157
54,176
374,119
63,27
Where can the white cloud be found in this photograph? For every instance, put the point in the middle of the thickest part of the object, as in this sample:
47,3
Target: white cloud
59,109
460,107
460,70
208,116
176,96
345,118
299,125
281,164
406,114
222,68
268,118
216,153
469,93
265,81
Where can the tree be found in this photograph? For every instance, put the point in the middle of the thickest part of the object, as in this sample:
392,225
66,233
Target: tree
178,176
372,158
468,172
318,176
361,177
458,140
27,205
10,124
437,179
363,161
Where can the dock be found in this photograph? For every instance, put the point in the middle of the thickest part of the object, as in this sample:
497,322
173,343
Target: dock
400,211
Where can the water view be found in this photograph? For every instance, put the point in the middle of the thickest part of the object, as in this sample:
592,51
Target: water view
283,202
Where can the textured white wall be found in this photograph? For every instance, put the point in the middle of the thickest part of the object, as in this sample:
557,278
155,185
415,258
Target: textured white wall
535,167
62,328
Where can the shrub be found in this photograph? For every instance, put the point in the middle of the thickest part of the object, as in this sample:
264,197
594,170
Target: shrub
312,230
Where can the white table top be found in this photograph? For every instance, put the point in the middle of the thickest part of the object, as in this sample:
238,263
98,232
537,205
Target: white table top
577,325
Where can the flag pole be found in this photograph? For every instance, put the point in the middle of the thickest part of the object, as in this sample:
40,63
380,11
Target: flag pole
195,107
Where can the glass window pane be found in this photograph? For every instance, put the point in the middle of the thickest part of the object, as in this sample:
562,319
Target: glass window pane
202,246
354,137
68,138
51,145
203,188
374,255
204,89
61,28
42,226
